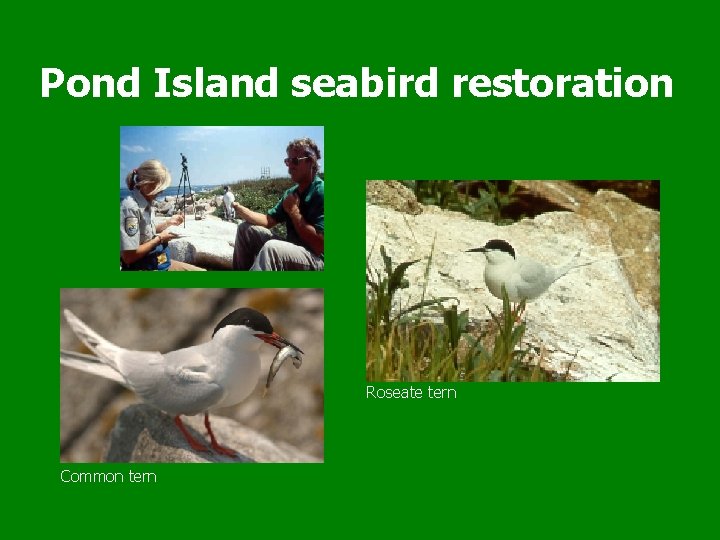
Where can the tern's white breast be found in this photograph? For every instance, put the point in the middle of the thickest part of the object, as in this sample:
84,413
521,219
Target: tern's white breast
237,364
497,275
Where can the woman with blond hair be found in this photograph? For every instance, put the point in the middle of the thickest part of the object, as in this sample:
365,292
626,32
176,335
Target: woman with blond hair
143,244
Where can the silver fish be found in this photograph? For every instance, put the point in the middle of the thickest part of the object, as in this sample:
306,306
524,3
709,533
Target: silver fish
280,357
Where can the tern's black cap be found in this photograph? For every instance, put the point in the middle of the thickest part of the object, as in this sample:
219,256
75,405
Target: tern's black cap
247,317
500,245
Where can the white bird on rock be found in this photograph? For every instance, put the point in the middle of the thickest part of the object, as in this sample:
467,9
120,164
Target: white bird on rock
198,379
524,279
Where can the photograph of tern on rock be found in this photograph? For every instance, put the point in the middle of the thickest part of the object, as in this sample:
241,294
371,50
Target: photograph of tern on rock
192,375
513,281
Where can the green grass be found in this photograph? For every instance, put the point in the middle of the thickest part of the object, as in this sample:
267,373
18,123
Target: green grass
257,195
490,203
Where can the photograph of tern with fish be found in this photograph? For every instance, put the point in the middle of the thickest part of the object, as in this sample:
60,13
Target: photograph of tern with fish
191,375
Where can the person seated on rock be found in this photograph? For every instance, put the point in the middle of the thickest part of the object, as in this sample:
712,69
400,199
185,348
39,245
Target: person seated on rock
301,208
143,244
228,200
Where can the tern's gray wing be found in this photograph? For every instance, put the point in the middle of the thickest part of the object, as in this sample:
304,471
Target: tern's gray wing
531,271
534,279
177,383
174,383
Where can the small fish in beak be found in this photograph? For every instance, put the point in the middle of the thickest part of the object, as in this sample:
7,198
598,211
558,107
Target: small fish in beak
290,351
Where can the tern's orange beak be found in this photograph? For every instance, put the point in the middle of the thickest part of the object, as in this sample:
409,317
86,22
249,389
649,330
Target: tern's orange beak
277,341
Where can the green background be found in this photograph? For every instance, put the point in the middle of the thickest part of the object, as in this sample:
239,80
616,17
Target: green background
515,459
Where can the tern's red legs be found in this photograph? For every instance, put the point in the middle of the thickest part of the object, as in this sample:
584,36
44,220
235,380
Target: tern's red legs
213,441
190,439
199,446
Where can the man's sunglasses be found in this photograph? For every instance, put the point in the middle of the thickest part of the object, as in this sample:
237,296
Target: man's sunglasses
294,160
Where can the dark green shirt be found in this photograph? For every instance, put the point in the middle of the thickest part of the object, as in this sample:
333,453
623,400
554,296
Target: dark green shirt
312,208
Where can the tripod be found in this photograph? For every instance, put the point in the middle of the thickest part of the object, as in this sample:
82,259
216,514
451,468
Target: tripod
185,179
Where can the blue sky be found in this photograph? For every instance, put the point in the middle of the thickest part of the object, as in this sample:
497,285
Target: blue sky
216,154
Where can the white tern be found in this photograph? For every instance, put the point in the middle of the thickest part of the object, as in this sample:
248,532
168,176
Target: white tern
524,279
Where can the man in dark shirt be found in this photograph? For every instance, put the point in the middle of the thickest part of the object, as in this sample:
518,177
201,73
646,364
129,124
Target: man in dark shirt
301,208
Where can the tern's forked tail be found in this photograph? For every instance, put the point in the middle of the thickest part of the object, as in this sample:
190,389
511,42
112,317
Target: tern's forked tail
90,364
92,340
572,266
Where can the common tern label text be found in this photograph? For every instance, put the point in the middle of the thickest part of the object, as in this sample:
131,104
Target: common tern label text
410,392
72,477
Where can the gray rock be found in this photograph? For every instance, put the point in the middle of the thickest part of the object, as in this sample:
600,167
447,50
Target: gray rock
165,207
208,243
143,434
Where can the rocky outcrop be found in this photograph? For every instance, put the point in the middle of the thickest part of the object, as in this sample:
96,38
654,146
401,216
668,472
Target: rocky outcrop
633,227
208,243
392,194
597,321
143,434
